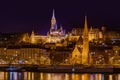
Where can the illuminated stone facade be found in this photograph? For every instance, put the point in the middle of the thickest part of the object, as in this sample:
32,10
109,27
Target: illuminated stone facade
76,57
55,34
94,34
80,54
54,31
26,54
115,59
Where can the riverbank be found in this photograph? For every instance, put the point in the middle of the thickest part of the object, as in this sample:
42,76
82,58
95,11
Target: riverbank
75,69
62,69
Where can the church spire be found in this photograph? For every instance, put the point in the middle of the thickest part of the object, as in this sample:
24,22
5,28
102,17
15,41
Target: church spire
85,52
53,22
53,14
32,32
91,29
85,27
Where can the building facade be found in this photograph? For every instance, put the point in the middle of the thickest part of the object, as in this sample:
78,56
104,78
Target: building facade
94,34
56,34
80,54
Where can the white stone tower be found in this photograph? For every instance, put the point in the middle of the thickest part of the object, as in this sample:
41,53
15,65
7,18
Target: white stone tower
53,22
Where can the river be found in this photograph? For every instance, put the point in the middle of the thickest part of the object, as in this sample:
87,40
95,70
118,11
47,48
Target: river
56,76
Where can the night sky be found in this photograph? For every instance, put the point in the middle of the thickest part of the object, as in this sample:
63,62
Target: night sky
26,15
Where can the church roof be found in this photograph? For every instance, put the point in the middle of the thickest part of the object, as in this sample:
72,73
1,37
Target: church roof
79,41
77,50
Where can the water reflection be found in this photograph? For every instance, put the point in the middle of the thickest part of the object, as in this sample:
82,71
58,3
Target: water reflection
56,76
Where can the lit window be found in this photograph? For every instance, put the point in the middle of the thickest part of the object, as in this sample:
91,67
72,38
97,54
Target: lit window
4,48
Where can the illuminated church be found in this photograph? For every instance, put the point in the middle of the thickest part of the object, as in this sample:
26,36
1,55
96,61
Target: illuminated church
54,31
80,54
55,34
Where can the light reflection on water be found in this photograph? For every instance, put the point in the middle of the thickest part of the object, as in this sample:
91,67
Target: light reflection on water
56,76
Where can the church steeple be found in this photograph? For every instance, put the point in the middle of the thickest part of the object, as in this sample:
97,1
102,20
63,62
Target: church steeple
32,33
53,22
91,29
53,14
85,52
85,28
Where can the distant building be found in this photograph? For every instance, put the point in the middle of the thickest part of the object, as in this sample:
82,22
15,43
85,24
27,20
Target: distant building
115,59
94,34
112,35
54,31
10,38
53,36
20,54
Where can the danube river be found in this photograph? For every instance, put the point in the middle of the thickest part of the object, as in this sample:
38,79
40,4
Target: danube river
56,76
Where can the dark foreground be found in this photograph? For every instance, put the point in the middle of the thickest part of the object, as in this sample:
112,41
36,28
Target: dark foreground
62,69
